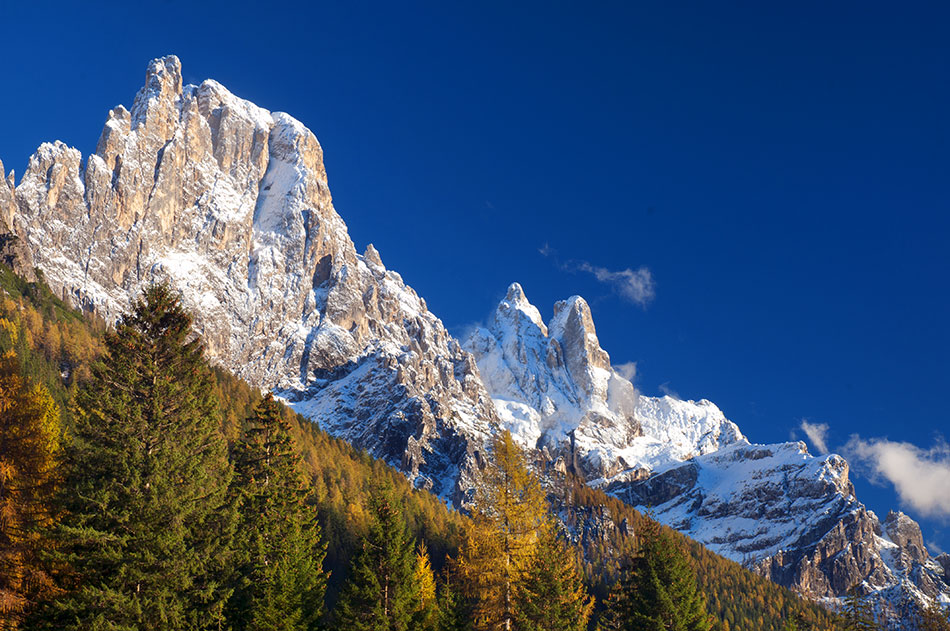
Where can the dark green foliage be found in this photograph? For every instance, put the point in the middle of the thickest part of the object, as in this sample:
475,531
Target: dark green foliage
454,609
857,613
146,535
379,592
280,582
551,595
659,592
57,346
735,597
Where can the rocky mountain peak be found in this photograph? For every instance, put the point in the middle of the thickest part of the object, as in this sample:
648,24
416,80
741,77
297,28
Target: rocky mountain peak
905,532
553,387
515,313
230,203
7,200
155,106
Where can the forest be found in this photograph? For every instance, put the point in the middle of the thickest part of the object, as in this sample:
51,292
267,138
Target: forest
143,488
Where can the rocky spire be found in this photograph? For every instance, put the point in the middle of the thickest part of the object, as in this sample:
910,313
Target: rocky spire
230,203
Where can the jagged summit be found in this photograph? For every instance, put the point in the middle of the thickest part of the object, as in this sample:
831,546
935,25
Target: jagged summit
230,203
776,508
553,387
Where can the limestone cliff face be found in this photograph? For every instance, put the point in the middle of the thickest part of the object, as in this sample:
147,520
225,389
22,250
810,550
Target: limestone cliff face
230,203
7,200
792,518
554,387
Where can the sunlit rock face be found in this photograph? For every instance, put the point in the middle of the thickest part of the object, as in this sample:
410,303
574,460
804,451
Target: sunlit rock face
777,509
230,203
554,387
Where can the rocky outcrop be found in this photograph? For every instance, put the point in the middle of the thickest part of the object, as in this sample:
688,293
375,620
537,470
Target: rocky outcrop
7,200
554,387
792,518
905,533
230,203
15,255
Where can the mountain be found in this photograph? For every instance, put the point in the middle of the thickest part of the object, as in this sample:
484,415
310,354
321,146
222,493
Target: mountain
554,388
230,204
341,477
775,508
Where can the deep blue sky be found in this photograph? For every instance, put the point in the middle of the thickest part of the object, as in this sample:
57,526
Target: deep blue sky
782,172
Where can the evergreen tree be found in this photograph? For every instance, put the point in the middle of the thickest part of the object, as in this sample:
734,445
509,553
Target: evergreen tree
30,437
148,522
280,582
659,591
551,595
857,614
454,612
508,514
380,594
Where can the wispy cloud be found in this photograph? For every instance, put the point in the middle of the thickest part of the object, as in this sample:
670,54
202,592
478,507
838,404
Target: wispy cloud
628,370
635,285
920,476
934,548
670,392
818,435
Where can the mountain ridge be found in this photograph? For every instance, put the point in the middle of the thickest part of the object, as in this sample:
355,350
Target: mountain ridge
231,204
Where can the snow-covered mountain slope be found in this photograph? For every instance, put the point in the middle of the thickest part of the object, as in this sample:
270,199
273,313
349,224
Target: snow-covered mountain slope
230,203
775,508
554,388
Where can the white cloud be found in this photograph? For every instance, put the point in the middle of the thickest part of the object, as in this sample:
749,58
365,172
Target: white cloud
920,476
934,548
818,435
628,370
668,391
637,286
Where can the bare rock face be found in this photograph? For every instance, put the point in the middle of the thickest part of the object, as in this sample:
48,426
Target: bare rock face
553,385
792,518
944,561
7,200
15,255
230,203
905,533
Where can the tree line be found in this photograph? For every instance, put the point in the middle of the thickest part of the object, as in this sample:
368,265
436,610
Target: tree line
154,494
142,517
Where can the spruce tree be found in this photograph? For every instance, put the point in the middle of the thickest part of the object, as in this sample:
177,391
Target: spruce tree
379,594
551,595
857,613
454,610
509,512
148,521
30,446
659,591
280,581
